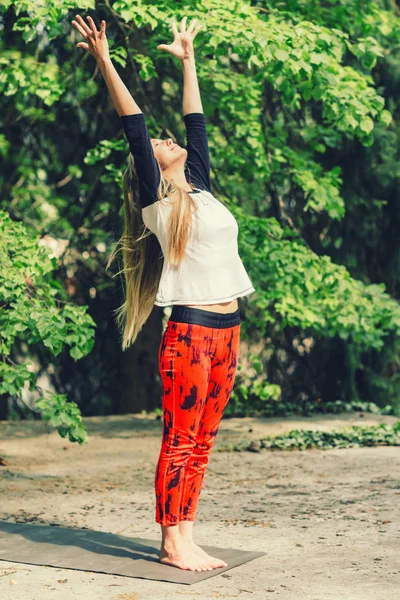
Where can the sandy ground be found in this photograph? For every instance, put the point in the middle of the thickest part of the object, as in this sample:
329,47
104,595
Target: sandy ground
328,520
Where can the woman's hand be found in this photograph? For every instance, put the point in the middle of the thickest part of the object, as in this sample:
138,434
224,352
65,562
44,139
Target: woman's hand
182,46
96,41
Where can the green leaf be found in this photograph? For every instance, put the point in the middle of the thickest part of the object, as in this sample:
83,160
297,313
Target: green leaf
281,54
367,125
386,117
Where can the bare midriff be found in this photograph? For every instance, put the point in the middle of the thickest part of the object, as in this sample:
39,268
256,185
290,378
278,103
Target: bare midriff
223,307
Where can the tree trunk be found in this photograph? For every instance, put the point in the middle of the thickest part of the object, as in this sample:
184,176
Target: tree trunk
140,379
3,407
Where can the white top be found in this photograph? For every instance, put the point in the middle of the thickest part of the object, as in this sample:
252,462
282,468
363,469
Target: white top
211,271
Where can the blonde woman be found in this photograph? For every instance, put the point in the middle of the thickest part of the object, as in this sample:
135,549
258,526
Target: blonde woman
179,249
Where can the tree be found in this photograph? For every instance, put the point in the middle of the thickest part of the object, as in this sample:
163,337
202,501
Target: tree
297,98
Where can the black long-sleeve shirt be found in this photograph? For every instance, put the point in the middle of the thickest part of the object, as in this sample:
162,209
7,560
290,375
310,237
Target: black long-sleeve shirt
197,167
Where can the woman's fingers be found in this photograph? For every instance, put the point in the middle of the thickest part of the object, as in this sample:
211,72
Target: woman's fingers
192,30
183,24
97,41
191,26
92,25
79,28
196,31
174,29
83,24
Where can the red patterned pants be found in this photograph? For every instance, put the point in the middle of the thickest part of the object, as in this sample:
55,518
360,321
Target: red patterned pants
198,367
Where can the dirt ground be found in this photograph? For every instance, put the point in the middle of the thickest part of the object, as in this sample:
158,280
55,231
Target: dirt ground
329,520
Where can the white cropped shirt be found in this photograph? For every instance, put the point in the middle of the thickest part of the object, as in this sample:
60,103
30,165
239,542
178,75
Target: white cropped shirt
211,271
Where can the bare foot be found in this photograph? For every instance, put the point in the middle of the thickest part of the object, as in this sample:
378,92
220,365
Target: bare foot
210,560
179,555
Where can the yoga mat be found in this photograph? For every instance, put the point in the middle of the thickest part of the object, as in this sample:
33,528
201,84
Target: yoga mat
101,552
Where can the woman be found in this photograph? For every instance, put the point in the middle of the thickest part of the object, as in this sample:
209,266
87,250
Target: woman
180,250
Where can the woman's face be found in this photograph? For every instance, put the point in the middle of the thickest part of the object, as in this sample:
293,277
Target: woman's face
167,152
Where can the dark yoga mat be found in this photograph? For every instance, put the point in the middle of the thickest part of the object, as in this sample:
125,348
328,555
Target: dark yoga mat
87,550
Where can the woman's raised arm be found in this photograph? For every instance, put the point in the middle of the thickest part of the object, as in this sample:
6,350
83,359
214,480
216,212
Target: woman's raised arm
183,49
96,43
198,159
132,118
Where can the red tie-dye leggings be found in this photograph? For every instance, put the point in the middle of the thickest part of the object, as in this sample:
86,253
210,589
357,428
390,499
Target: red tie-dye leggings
198,367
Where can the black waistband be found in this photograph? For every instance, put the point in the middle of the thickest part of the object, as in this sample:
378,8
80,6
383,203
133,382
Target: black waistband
208,318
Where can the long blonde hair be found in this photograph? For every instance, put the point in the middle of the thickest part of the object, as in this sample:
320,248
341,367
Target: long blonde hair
142,255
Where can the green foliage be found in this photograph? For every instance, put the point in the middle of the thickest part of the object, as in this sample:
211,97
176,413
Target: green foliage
310,291
47,12
30,311
22,77
302,439
64,416
295,95
267,402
